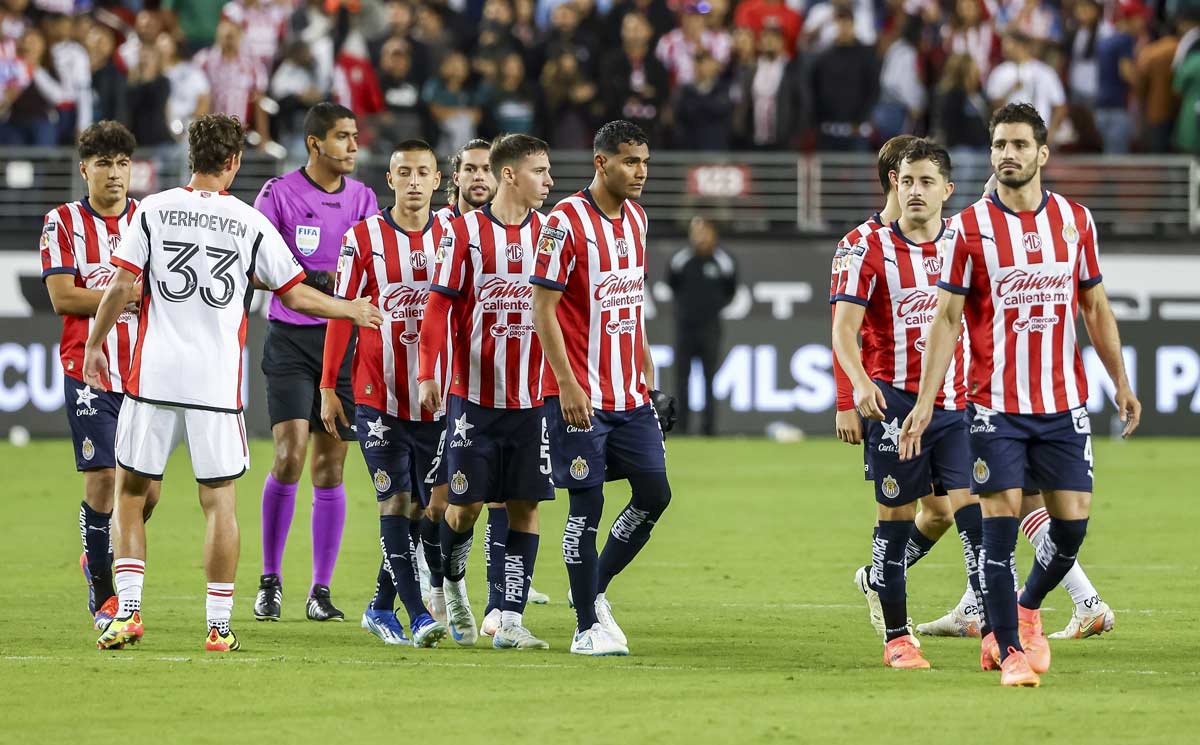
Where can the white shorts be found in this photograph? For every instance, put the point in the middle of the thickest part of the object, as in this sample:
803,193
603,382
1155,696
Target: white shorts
147,433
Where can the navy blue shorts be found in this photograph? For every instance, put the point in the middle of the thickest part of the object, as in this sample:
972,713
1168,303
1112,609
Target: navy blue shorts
92,415
943,461
401,455
618,444
1011,451
494,455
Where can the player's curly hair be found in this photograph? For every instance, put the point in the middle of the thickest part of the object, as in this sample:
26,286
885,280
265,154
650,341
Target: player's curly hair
456,163
926,149
889,158
611,136
212,140
510,149
1019,113
106,138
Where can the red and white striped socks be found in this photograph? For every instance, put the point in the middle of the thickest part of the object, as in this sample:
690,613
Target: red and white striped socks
128,576
1036,527
218,605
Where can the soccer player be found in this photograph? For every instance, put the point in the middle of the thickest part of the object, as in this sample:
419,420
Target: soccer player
389,258
76,243
312,208
199,249
495,428
1023,263
589,298
887,292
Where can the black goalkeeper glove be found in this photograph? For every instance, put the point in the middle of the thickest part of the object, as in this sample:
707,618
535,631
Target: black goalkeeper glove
664,406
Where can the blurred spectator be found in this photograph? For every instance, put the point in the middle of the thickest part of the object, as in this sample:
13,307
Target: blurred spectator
495,30
189,88
677,50
1116,73
454,104
13,21
703,115
969,33
33,114
766,125
294,88
635,85
742,63
197,20
961,111
263,23
719,16
1155,98
399,19
567,32
149,92
1186,81
544,15
703,278
147,27
820,26
1024,78
572,105
355,84
661,19
1034,18
513,106
236,80
404,113
14,77
74,72
758,14
431,29
1083,72
524,28
315,26
845,86
109,89
902,97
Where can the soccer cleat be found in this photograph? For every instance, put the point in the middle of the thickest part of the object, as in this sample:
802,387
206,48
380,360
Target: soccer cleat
874,607
458,610
87,576
958,621
105,613
903,654
517,637
218,642
1033,639
570,599
491,623
595,642
269,598
423,575
121,632
989,653
1092,623
605,617
427,631
385,625
1016,671
320,607
538,598
437,604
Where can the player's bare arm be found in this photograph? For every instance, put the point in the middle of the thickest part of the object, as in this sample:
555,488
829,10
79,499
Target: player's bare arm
1102,329
70,300
943,337
574,401
304,299
868,399
95,363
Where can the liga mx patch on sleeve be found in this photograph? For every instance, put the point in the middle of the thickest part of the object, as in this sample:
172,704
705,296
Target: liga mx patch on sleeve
444,245
551,239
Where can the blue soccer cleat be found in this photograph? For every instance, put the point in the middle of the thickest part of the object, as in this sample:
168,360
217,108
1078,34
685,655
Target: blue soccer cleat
427,631
87,576
385,625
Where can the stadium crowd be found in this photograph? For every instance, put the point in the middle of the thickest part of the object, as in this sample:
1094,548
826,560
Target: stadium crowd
1110,76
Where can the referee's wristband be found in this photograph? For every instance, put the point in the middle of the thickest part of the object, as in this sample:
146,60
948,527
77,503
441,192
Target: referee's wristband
322,281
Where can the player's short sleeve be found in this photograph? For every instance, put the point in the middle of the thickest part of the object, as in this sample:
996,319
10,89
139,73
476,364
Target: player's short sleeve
56,247
856,283
555,253
266,202
1089,254
450,259
956,261
134,251
351,268
274,264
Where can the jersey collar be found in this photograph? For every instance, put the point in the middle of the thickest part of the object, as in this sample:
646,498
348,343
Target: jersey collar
387,217
995,197
341,188
895,226
91,210
587,194
487,211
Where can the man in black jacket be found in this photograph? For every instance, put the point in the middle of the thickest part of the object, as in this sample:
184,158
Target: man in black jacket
845,85
633,83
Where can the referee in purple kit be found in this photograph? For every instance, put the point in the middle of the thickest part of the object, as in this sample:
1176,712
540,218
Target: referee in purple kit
312,208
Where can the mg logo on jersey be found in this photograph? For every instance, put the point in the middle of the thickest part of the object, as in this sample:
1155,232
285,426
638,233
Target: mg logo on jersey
933,264
114,240
1034,324
418,260
514,252
1032,242
410,337
308,239
622,247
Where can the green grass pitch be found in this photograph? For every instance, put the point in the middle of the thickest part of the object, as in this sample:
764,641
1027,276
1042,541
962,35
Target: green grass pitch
743,624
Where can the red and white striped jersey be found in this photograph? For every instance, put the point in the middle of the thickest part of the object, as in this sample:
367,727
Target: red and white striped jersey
1021,274
484,265
600,267
380,260
236,82
896,281
845,389
77,241
446,215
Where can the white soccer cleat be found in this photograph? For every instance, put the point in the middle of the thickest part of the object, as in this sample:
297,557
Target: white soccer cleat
958,621
423,574
437,604
538,598
491,623
595,642
517,637
1084,625
874,608
458,611
607,622
570,599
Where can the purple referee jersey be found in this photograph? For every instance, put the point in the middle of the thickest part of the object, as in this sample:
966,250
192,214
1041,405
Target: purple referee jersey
312,222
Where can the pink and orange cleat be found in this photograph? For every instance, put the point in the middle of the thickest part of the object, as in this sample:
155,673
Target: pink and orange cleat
1016,671
1033,638
902,652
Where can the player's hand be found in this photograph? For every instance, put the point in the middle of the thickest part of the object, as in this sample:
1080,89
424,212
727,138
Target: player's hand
664,406
1129,409
914,427
849,426
95,368
430,393
576,405
332,412
364,313
869,401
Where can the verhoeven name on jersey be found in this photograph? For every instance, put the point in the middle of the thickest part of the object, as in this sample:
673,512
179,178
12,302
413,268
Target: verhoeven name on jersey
185,219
